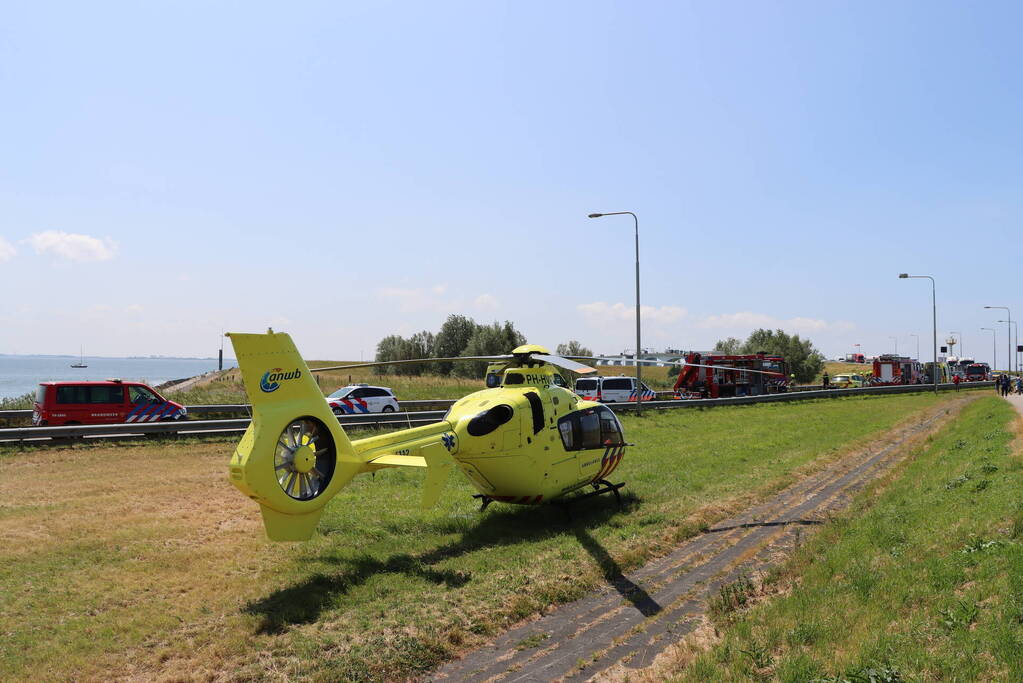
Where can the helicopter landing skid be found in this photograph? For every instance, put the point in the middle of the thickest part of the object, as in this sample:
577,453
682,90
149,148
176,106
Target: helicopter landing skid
602,486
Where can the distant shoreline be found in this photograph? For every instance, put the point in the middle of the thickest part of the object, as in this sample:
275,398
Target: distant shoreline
68,355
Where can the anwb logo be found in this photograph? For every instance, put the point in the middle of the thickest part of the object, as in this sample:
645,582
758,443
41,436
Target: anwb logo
271,379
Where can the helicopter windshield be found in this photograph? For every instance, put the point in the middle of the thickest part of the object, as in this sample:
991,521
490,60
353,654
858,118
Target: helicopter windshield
590,428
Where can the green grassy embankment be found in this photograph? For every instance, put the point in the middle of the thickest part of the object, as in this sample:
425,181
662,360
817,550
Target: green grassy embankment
921,580
144,562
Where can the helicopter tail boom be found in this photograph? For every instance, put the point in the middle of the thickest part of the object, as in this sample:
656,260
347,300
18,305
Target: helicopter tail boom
430,446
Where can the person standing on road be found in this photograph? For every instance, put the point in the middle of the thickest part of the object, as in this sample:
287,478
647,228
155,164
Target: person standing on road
1019,385
955,381
1005,384
825,381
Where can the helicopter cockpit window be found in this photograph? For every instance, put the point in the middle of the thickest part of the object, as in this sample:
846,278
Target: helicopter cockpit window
513,378
590,428
559,381
493,380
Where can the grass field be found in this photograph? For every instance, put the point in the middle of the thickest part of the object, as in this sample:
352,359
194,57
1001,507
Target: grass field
921,580
142,561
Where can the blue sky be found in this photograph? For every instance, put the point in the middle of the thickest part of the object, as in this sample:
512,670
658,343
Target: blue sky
346,171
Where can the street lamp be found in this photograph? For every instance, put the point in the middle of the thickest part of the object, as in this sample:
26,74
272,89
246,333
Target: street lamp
934,313
1016,326
994,352
639,372
917,345
1009,361
896,340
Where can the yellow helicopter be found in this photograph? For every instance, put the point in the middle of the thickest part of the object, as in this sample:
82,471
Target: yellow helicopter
526,439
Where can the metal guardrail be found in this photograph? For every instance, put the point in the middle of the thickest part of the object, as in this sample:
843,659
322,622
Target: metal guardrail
796,396
188,428
246,409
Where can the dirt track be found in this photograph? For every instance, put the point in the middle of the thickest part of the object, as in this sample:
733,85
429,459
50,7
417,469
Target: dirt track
626,625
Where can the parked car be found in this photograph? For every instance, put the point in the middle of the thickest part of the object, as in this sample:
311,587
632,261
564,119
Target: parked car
84,403
846,381
356,399
611,389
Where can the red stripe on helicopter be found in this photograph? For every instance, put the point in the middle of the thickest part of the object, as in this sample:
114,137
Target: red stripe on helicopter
603,463
616,460
612,457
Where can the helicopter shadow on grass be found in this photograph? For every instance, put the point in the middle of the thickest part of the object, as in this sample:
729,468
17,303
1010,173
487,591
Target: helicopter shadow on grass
305,601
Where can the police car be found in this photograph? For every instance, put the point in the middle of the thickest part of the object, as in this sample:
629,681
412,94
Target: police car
357,399
620,389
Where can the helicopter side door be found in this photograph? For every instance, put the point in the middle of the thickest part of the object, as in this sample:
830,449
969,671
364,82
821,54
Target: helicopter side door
595,436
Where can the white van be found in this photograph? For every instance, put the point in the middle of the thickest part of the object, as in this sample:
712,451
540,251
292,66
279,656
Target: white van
620,389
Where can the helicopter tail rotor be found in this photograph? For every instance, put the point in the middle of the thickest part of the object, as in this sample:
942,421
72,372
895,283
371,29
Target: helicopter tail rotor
294,457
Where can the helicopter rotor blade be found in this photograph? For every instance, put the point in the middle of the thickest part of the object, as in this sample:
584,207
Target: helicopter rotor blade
564,363
681,363
377,364
731,367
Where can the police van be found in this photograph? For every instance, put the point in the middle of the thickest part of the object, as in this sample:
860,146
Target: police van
621,389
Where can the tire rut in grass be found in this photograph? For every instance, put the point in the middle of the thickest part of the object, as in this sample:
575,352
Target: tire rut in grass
630,622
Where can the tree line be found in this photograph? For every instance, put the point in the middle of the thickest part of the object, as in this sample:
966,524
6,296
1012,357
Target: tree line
459,336
462,336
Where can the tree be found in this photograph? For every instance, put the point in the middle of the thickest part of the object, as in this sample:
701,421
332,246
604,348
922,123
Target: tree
488,340
395,347
804,360
573,348
728,347
389,348
419,345
451,340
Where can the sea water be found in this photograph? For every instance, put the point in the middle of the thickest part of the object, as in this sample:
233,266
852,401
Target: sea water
20,375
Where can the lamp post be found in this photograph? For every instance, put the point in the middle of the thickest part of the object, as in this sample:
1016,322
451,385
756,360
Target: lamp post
917,345
1016,327
1009,360
994,351
896,340
639,372
934,313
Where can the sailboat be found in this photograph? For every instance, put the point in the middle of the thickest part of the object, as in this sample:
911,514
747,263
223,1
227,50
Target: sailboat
81,360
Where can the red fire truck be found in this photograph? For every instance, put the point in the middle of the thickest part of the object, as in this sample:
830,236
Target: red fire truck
977,372
892,369
723,382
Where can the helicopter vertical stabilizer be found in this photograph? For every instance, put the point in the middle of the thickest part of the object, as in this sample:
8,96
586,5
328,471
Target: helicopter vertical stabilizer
294,457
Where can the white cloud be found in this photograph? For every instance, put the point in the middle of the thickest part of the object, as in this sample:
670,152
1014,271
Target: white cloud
7,250
72,246
486,302
748,320
600,312
435,298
